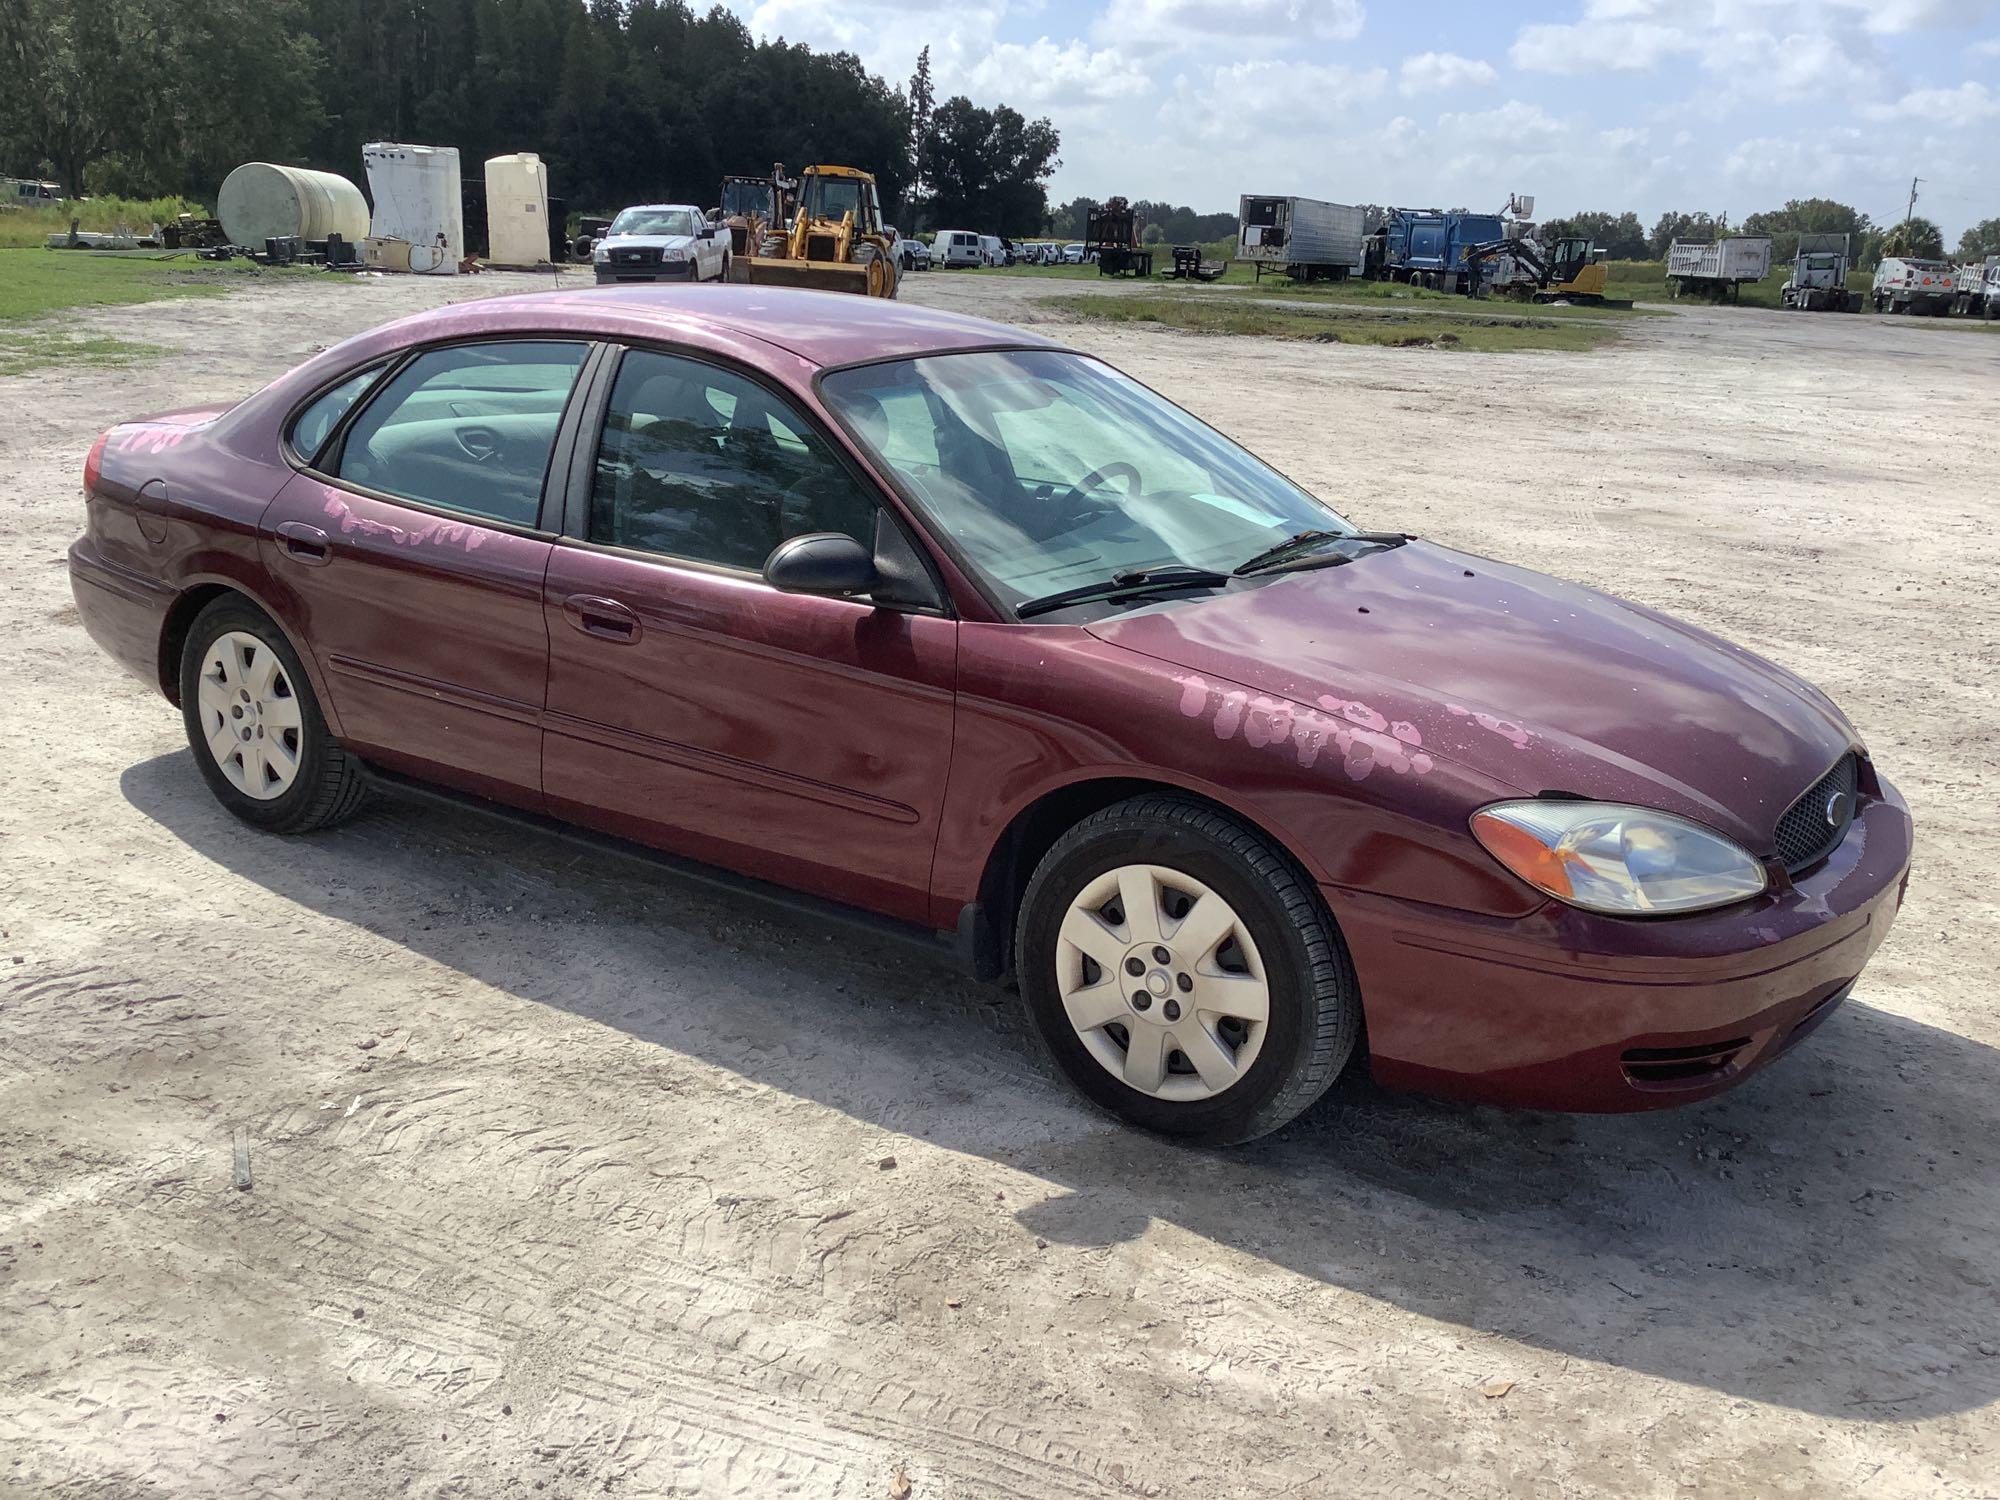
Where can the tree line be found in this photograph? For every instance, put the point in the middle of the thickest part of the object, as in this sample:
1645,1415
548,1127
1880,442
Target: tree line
627,100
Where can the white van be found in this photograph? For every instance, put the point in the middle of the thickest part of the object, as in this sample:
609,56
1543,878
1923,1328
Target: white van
956,247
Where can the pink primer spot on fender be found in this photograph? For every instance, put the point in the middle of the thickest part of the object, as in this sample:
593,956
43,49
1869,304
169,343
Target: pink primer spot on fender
1229,715
1354,711
1194,696
1405,731
1269,722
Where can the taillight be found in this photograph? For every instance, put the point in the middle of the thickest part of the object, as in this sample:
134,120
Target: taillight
93,465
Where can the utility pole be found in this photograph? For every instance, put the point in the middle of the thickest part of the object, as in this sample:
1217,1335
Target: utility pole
1911,212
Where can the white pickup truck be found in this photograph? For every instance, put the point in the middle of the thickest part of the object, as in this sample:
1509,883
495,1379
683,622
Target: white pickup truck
662,242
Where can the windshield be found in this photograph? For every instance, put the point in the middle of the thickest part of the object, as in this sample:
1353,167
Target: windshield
743,198
834,198
654,221
1051,470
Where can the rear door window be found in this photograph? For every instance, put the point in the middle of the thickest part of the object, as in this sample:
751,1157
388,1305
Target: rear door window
467,429
322,414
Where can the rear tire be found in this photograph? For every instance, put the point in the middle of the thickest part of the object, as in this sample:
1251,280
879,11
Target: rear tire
255,727
1180,1047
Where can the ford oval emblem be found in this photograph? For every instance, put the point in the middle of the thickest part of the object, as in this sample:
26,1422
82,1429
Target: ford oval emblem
1839,808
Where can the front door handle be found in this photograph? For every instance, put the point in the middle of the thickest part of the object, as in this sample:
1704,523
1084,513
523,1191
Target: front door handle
306,544
606,619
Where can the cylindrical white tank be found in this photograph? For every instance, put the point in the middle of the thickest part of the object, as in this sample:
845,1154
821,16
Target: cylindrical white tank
262,200
418,198
517,210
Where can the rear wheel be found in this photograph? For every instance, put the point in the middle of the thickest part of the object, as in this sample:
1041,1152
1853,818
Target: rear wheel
255,727
1183,974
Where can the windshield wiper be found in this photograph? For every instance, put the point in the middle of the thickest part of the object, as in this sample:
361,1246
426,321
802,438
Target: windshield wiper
1126,585
1294,550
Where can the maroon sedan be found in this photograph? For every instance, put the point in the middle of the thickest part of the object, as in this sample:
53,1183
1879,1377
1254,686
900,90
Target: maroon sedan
970,637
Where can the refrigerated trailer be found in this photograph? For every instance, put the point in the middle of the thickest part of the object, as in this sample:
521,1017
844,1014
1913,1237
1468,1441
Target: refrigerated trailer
1717,268
1302,238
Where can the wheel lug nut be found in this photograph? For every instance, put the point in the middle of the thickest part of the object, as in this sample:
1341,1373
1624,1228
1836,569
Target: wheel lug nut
1171,1010
1135,966
1161,956
1143,1001
1184,982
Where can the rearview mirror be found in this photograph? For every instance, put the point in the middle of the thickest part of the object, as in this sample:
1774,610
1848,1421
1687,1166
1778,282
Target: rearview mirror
821,562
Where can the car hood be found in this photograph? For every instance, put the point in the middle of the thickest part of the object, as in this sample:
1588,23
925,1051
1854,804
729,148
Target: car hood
648,241
1534,684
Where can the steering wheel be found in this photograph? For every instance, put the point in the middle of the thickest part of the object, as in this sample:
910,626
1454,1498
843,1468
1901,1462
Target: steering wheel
1103,472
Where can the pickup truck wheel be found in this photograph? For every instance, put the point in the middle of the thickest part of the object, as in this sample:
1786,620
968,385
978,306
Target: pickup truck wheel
255,727
1183,974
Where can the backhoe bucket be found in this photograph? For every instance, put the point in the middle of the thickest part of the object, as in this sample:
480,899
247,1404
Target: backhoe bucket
875,278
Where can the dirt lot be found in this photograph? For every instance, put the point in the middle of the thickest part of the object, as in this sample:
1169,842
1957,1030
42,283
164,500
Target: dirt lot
568,1182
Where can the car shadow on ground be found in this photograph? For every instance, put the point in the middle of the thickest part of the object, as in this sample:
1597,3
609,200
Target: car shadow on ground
1817,1239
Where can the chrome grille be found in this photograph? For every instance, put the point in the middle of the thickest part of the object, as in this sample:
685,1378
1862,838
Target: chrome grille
1813,826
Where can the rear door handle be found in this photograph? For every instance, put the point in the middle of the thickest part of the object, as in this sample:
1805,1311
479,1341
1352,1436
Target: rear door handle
604,618
306,544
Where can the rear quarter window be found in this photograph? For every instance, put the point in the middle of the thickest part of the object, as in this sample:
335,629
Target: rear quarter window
315,424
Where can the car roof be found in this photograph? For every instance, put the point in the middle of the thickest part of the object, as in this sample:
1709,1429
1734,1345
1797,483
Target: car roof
656,207
822,328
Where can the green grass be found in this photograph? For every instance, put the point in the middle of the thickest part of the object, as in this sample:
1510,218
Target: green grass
30,228
36,286
1480,332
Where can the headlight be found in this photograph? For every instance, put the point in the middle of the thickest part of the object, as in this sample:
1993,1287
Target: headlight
673,255
600,253
1628,861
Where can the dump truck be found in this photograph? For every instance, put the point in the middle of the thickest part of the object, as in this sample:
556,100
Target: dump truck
1907,284
1112,234
1717,269
1303,238
1818,282
835,240
1989,289
1426,247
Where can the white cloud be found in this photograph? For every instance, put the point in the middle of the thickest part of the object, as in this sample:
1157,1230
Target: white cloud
1047,74
1968,104
1895,17
1191,25
1437,72
1597,45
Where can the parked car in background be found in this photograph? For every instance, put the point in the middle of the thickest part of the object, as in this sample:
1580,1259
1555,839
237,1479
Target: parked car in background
992,253
974,634
956,248
661,242
1073,253
912,255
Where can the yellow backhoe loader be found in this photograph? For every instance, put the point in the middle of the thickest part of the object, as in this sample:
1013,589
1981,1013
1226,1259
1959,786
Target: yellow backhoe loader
835,241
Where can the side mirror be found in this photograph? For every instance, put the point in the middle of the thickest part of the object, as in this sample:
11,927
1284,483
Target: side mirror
821,562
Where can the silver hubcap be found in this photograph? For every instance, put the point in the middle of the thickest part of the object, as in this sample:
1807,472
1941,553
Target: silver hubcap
250,715
1162,982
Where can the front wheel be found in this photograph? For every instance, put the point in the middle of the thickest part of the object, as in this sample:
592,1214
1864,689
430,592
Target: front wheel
1183,974
255,727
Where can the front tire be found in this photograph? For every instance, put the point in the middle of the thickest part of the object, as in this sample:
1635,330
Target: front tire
255,727
1183,974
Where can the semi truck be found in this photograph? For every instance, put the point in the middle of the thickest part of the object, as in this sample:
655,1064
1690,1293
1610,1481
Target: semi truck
1907,284
1717,269
1428,248
1303,238
1818,282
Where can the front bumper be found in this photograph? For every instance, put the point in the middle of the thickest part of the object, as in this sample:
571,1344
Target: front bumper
611,274
1568,1010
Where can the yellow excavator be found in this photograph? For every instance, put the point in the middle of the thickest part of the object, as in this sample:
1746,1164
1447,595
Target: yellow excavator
835,241
1572,270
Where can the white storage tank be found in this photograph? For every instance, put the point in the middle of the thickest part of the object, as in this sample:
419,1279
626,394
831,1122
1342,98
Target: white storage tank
517,210
418,198
262,200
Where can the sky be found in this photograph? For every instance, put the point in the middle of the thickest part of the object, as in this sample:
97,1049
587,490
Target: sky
1718,105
